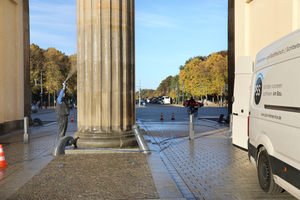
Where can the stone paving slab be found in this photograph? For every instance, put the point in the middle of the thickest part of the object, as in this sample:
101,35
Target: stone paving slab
94,176
25,160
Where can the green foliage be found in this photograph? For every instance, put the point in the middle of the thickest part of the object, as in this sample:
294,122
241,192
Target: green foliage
209,73
54,67
145,93
37,60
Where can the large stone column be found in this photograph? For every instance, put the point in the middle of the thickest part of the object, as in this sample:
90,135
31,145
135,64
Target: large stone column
231,52
26,41
106,73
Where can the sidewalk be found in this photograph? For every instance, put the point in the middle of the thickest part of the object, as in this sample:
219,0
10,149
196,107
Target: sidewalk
208,167
33,173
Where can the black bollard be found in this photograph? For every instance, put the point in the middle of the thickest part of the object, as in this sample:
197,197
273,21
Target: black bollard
220,118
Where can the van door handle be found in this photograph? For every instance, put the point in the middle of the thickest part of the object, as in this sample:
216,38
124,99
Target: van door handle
235,114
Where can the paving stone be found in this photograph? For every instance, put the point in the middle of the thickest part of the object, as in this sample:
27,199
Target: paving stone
209,166
94,176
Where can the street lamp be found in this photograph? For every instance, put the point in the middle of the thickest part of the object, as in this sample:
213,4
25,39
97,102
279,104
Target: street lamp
139,86
176,93
41,88
201,90
182,87
41,94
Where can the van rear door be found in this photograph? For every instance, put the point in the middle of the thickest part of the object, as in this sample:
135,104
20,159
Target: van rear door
241,101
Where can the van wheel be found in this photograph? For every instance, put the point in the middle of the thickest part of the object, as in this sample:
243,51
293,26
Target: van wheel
265,174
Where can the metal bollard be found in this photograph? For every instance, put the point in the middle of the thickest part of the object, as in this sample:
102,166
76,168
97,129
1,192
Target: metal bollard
230,126
26,130
192,131
140,139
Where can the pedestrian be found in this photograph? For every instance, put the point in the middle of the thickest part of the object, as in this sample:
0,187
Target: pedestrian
45,104
62,110
192,100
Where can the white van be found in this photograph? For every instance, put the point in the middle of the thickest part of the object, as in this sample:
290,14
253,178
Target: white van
166,100
273,119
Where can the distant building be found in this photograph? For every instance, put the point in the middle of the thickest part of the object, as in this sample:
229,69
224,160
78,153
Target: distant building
253,24
261,22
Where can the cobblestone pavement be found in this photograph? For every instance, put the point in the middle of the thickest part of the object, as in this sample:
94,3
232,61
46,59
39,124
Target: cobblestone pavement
24,160
93,176
209,167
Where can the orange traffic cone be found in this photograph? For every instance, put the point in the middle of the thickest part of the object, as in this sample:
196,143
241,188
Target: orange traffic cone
2,158
72,119
161,117
172,117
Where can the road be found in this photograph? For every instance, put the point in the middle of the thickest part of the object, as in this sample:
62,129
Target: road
48,116
152,112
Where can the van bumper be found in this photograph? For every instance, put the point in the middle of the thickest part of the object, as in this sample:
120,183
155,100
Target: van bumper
252,151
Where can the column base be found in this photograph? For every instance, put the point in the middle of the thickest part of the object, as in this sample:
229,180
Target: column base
106,140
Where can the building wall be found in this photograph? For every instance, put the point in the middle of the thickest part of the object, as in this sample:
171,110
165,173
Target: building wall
261,22
11,65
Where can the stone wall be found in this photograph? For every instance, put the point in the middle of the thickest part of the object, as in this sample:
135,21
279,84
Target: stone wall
12,65
261,22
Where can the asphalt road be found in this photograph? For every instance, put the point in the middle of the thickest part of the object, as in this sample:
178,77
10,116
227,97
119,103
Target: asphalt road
148,113
152,112
48,116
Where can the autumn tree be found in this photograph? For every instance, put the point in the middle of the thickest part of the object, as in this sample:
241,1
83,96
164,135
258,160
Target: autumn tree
217,76
192,76
72,75
175,87
209,73
37,60
55,67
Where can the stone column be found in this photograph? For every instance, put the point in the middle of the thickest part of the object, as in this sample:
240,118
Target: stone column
106,73
231,52
26,41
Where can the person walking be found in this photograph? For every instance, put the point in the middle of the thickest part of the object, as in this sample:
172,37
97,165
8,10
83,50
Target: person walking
192,100
62,110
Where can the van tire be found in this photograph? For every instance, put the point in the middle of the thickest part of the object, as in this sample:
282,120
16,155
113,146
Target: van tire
265,174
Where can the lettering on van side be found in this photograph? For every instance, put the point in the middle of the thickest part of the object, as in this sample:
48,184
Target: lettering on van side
274,92
278,53
271,116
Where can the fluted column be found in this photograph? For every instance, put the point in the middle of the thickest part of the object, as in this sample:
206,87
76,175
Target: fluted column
106,73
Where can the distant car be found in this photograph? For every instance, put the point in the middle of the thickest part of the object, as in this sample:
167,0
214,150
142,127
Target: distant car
159,99
165,100
186,103
148,100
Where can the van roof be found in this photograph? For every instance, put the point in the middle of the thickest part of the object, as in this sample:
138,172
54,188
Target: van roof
284,48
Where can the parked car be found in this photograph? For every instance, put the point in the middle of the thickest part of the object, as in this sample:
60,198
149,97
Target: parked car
159,99
137,101
166,100
186,103
148,100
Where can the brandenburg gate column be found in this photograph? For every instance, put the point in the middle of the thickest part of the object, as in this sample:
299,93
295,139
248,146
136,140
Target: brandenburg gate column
106,73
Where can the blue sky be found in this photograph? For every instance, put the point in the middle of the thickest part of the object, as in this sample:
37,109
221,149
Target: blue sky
167,32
